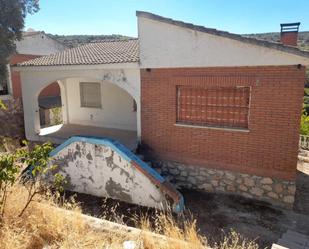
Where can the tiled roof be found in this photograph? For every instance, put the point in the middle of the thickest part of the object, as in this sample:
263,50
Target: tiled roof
103,52
254,41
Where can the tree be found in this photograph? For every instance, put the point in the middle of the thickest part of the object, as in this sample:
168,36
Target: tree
31,167
12,20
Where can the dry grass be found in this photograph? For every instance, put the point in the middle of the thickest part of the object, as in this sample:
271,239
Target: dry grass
44,225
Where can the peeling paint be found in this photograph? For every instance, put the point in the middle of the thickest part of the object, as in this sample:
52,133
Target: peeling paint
98,167
91,179
89,157
115,190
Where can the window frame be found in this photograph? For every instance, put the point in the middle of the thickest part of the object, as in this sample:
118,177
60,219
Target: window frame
81,93
193,124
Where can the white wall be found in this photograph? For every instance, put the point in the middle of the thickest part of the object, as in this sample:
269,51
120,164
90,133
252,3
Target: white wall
101,171
167,45
35,79
116,112
39,44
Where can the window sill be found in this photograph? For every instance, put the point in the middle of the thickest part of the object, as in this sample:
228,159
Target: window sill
213,127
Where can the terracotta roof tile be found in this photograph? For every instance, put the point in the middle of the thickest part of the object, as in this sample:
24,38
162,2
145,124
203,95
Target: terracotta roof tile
102,52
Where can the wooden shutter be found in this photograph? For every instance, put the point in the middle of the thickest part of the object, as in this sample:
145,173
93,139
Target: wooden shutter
90,94
222,106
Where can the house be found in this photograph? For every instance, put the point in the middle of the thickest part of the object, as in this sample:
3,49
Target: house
205,105
33,44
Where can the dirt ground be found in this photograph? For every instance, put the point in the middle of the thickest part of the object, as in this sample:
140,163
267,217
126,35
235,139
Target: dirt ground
216,214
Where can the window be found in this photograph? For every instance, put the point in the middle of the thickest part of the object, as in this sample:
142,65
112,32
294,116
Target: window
90,94
219,107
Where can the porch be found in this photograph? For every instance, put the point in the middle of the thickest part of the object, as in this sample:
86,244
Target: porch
59,133
100,96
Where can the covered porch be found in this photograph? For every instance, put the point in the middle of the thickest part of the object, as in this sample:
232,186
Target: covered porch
100,96
57,134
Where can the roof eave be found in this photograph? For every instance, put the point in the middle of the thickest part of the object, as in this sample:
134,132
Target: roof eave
124,65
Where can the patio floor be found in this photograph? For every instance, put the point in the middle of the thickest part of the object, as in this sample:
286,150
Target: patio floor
59,133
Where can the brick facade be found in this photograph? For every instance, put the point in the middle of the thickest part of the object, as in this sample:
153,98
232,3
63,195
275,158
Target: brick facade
268,148
289,38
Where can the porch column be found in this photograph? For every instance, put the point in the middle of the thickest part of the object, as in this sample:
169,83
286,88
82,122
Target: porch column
30,92
64,100
138,119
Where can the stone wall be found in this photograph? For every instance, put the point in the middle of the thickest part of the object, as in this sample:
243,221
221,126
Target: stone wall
12,119
276,191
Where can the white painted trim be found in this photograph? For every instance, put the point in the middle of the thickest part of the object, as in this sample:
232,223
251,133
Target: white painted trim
131,65
9,80
63,95
212,127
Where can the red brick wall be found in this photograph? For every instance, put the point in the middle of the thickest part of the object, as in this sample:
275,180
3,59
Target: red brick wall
289,38
269,148
51,90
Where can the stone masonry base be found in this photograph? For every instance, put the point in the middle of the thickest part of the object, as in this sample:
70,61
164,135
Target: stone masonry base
275,191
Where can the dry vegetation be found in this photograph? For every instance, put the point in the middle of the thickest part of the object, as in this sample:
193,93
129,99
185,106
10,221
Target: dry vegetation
34,217
43,225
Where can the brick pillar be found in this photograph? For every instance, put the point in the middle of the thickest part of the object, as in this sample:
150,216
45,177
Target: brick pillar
289,38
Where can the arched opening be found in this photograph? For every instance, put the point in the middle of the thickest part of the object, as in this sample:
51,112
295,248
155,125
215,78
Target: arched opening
91,107
50,107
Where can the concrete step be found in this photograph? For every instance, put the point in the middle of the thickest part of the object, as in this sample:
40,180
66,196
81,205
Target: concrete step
276,246
291,233
289,244
292,240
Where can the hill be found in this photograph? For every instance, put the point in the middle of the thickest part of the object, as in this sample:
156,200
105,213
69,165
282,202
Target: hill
303,38
77,40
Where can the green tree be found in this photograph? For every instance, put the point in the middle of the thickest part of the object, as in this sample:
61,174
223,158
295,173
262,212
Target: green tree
12,20
8,174
304,124
30,167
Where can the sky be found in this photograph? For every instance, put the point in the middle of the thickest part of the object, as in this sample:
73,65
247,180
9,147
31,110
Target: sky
104,17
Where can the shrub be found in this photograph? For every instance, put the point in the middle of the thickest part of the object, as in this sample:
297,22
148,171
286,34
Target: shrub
29,166
304,124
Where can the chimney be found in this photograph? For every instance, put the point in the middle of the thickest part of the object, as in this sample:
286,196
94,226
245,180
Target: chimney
289,33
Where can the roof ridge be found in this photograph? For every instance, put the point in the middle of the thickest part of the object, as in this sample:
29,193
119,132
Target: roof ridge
32,33
112,40
212,31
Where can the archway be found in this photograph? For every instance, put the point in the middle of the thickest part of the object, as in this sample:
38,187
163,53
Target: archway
50,107
34,80
90,107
